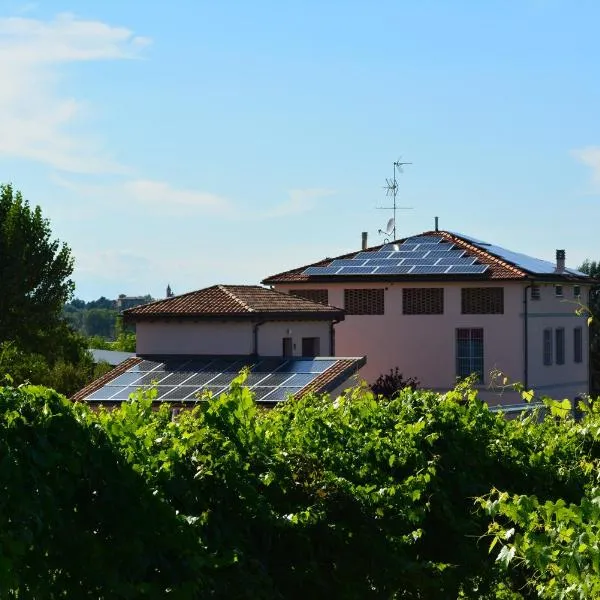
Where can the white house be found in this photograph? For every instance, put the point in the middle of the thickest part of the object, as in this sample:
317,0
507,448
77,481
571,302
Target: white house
442,305
199,341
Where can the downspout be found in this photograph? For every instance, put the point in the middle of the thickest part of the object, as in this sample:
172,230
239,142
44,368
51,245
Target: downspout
332,325
255,327
526,338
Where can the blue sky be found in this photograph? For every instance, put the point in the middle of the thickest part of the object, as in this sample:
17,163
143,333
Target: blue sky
198,142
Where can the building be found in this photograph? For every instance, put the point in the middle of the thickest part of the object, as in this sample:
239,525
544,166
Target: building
123,302
199,342
442,305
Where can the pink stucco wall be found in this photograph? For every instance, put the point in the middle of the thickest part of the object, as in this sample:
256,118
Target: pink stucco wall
227,337
424,346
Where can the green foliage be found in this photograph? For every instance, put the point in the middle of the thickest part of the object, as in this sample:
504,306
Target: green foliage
357,497
391,383
35,272
592,268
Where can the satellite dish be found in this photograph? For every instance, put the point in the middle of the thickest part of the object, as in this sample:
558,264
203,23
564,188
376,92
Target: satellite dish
390,226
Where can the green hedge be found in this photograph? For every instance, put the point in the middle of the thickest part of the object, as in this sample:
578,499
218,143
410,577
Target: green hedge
355,497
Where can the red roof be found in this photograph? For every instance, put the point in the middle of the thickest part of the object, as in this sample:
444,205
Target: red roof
233,301
500,268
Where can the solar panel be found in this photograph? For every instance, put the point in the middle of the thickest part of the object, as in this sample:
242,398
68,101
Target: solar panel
445,253
321,270
419,261
383,262
456,260
356,271
146,365
415,254
272,378
276,379
467,269
400,270
367,255
429,270
347,262
126,379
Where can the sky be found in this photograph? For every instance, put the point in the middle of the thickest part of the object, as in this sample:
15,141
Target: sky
196,142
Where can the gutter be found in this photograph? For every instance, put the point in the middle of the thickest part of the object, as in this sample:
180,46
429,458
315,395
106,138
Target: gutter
526,337
332,325
255,337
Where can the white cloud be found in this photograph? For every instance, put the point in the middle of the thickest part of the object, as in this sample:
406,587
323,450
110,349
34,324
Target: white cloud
590,157
299,201
149,194
36,119
165,196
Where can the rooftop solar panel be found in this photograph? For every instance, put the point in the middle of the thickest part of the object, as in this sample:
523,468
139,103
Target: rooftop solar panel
429,270
367,255
419,261
445,253
383,262
456,260
347,262
356,270
431,239
399,270
467,269
273,378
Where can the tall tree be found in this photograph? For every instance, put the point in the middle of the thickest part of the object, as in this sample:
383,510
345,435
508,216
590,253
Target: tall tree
592,268
35,275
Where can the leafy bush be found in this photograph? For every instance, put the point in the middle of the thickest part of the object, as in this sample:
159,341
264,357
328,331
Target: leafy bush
390,384
357,497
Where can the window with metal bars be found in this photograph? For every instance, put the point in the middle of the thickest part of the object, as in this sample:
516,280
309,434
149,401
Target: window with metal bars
469,353
320,296
364,301
482,301
423,301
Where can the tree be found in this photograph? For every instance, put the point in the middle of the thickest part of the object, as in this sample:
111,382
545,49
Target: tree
592,268
35,271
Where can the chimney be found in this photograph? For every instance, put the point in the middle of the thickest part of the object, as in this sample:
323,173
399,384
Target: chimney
364,240
560,260
436,223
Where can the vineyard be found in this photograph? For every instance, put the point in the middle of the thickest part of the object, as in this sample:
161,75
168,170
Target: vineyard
419,496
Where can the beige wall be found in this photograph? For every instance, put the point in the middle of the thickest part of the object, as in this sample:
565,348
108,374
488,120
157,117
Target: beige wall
424,346
227,337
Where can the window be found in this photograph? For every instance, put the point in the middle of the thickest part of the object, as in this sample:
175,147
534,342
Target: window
482,301
535,292
577,291
469,353
363,302
558,291
547,346
423,301
287,349
311,346
578,344
320,296
560,345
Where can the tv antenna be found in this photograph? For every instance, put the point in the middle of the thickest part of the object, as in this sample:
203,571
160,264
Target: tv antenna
391,189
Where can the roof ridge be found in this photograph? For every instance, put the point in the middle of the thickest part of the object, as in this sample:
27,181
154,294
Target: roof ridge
229,293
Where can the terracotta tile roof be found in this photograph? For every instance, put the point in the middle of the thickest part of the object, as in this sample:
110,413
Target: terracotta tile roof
234,301
500,268
333,377
102,381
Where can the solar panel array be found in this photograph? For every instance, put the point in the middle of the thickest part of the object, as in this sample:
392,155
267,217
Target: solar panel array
184,379
419,255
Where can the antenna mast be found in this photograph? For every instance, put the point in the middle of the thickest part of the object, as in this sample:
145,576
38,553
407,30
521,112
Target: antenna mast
391,189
